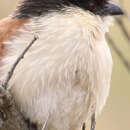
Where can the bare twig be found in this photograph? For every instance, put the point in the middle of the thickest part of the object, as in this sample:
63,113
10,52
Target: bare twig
119,53
12,119
10,73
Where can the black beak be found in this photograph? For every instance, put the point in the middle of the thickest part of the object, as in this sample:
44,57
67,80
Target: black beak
112,9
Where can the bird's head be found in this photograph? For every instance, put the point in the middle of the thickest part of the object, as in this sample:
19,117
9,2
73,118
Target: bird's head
99,7
30,8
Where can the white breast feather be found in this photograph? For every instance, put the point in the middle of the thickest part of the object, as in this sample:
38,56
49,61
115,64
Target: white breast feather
66,74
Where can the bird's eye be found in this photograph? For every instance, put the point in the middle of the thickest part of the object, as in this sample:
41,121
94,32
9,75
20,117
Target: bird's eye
92,6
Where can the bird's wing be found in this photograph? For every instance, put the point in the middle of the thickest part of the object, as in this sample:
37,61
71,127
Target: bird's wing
8,27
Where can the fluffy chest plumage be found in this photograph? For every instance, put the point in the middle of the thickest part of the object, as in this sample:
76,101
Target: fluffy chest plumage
65,74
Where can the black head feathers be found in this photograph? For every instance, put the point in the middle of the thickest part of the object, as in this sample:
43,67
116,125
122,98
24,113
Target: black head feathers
32,8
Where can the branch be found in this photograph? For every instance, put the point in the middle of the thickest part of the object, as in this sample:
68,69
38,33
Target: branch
10,117
10,73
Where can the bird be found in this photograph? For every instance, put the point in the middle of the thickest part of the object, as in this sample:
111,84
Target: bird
65,76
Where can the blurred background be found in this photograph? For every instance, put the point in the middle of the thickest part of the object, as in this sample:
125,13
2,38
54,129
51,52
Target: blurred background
116,114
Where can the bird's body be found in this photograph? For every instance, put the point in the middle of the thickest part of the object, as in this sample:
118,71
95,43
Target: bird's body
65,76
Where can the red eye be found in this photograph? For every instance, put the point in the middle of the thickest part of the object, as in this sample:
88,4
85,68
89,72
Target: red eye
92,6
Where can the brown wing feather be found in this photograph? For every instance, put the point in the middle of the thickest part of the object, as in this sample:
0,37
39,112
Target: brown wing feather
8,27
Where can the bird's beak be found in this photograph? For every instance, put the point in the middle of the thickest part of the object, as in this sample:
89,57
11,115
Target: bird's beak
112,9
